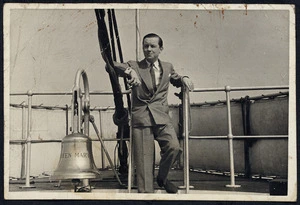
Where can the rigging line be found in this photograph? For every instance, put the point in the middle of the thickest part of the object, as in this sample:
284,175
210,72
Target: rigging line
106,55
120,116
120,52
104,43
103,36
122,128
111,32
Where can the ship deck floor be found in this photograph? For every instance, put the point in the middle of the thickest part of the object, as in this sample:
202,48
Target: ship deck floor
108,183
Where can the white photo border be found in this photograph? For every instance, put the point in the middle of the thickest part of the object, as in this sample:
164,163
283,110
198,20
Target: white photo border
205,195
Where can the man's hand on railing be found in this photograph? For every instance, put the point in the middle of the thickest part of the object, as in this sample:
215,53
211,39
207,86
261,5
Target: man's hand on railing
188,83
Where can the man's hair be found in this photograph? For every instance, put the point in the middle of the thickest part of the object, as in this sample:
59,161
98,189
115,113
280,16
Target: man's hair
152,35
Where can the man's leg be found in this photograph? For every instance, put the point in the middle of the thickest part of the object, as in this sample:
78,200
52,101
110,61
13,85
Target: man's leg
143,142
170,150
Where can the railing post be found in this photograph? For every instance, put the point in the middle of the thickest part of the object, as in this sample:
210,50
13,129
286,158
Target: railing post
230,139
186,122
101,134
130,162
23,167
131,156
28,142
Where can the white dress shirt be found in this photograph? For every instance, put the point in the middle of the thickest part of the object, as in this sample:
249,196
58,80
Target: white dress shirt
157,72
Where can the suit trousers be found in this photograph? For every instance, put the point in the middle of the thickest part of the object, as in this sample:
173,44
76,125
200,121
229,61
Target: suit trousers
143,142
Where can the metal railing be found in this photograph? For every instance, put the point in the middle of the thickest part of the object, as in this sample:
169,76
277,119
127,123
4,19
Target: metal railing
186,104
27,139
28,143
230,137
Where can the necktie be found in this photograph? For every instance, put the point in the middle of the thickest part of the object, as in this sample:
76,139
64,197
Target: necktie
152,72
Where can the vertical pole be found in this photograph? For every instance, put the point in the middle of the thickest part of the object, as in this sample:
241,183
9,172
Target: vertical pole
180,127
230,139
28,142
130,160
185,124
85,183
23,137
137,34
186,136
101,135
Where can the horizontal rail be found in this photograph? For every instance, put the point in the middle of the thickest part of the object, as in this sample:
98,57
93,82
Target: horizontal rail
241,137
241,88
222,102
280,94
95,108
129,91
23,141
68,93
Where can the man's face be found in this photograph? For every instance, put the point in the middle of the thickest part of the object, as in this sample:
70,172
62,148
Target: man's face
151,49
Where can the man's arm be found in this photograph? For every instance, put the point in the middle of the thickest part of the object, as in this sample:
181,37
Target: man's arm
178,80
124,70
121,68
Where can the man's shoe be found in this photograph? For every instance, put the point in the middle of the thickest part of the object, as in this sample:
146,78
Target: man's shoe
169,186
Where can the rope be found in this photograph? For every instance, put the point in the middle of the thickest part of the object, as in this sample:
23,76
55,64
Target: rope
120,116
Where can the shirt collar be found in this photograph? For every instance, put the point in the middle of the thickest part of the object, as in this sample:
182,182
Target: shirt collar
156,64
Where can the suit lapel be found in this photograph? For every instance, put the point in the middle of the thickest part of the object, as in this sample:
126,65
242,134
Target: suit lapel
145,75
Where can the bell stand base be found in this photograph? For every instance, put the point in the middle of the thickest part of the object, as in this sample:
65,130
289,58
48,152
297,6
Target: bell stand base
232,186
84,187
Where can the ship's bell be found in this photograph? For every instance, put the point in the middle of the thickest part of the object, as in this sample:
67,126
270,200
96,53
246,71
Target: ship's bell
76,159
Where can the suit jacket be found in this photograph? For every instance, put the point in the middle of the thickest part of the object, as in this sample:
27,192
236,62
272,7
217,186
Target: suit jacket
150,107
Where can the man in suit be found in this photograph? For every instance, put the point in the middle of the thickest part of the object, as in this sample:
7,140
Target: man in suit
150,80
